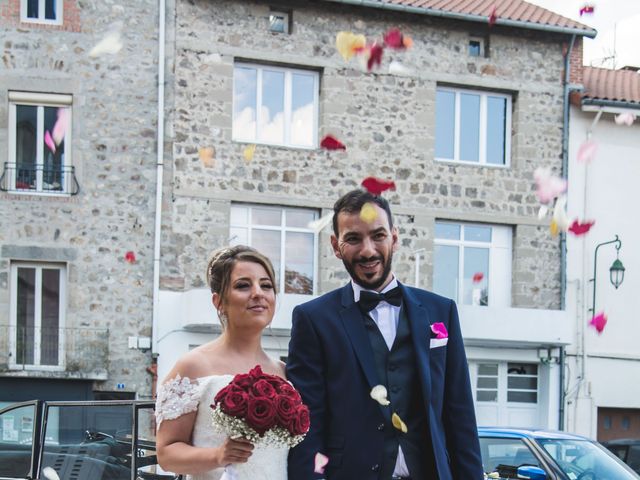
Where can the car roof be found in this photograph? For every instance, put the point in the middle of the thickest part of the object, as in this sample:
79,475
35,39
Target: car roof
508,432
622,441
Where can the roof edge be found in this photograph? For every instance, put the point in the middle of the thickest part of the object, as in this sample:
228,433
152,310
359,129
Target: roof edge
597,102
590,33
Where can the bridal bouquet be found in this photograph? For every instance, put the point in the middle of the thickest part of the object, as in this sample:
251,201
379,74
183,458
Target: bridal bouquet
265,409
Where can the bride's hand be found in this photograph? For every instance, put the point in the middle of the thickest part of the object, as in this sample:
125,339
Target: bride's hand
234,451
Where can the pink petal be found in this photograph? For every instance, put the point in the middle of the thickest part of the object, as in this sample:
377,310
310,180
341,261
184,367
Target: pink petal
320,462
578,228
598,322
48,141
626,118
548,186
60,128
587,151
440,330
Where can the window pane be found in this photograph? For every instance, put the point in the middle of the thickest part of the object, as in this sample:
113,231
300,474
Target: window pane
522,397
16,435
272,109
488,369
523,369
447,231
245,87
238,236
50,316
523,383
487,382
53,153
474,233
476,261
32,8
239,215
26,149
25,317
302,119
469,127
474,48
299,263
445,124
50,9
445,271
277,23
300,218
496,126
266,216
267,242
487,396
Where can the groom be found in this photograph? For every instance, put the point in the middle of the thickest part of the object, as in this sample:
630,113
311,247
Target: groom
352,339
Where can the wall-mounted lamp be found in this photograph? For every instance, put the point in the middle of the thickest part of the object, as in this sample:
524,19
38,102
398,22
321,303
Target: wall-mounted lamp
616,271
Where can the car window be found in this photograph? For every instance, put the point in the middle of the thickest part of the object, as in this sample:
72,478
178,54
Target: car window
633,457
16,438
505,452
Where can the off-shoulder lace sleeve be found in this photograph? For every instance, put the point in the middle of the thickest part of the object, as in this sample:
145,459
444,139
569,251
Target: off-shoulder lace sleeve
176,397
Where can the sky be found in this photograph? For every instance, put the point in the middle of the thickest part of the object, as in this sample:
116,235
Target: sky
609,16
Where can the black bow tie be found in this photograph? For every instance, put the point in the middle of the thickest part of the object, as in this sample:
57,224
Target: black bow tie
370,300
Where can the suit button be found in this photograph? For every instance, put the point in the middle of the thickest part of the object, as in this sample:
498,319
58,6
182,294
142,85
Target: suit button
375,468
381,427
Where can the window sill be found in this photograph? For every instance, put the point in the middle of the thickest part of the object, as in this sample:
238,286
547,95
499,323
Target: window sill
277,145
471,164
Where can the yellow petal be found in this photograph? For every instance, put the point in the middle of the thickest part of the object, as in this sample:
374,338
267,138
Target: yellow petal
207,156
398,423
368,213
248,153
348,43
554,228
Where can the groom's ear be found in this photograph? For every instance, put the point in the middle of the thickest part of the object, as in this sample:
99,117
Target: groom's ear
336,247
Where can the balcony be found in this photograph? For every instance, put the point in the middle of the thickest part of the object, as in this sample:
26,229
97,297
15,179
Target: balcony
38,179
73,353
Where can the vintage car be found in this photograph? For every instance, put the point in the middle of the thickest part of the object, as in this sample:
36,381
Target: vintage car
89,440
546,455
627,449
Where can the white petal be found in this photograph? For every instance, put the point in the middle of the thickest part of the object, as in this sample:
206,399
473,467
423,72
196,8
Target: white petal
396,68
379,394
50,474
110,44
318,225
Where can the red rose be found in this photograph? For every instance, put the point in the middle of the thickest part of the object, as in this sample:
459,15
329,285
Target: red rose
232,400
286,410
275,381
288,391
301,422
256,372
262,388
261,414
243,380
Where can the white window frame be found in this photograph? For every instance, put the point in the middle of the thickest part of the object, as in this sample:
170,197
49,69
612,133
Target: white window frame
288,72
285,18
481,51
282,228
41,13
482,147
500,258
13,320
39,100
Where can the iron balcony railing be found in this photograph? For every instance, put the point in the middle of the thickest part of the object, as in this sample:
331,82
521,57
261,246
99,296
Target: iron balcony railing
38,178
83,352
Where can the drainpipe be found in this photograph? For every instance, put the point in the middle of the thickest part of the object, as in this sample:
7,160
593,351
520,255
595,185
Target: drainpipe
159,178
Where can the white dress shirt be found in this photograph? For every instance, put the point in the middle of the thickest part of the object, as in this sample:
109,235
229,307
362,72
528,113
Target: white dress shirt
386,317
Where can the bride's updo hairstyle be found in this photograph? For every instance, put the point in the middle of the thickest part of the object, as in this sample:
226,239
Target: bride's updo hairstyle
220,266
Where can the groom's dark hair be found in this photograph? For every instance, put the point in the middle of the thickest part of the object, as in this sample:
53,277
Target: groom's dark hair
353,201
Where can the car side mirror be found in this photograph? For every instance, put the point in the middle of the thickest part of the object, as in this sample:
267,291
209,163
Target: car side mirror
531,473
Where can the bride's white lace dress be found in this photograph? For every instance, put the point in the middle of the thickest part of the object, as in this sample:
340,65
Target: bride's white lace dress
183,395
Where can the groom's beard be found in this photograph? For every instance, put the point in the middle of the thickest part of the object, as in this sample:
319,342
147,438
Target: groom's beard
363,281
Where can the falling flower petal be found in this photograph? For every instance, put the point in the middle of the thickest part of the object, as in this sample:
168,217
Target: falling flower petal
329,142
598,322
578,228
348,44
48,141
368,213
626,118
398,423
62,123
587,8
207,156
439,330
130,257
375,56
493,16
50,474
548,186
542,212
477,277
320,462
587,151
560,221
248,152
396,68
318,225
110,44
379,394
407,41
394,38
493,475
376,185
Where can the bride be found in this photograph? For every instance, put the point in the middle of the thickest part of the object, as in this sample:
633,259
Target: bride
242,281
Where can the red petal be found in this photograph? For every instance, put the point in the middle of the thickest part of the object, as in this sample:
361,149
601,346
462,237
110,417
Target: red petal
493,17
375,56
331,143
477,277
376,185
130,257
578,228
394,39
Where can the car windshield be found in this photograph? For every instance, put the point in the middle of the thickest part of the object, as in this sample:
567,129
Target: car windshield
585,460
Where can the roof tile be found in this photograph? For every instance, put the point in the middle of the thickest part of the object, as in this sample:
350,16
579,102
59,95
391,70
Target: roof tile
612,85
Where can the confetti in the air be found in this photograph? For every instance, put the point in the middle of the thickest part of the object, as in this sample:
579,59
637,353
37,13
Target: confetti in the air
61,125
542,212
578,228
130,257
587,9
320,462
48,141
559,220
398,423
376,185
493,16
207,156
394,38
379,394
318,225
587,151
439,330
477,277
626,118
329,142
598,322
374,55
396,68
50,474
110,44
368,213
248,152
548,186
348,44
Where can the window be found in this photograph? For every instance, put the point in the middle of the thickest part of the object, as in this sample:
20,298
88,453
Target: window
473,127
476,47
487,382
39,139
505,451
472,263
278,22
37,315
522,382
41,11
281,234
275,106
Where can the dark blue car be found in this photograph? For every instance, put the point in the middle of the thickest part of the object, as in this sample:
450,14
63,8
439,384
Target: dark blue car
547,455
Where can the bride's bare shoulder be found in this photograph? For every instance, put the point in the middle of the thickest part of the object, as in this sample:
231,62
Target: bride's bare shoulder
194,364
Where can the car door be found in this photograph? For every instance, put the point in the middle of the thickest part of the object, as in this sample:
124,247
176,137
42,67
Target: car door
19,428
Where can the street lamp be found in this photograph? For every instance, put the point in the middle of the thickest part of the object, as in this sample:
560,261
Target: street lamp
616,271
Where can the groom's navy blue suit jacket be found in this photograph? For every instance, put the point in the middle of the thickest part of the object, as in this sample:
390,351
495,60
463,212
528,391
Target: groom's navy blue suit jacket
331,363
